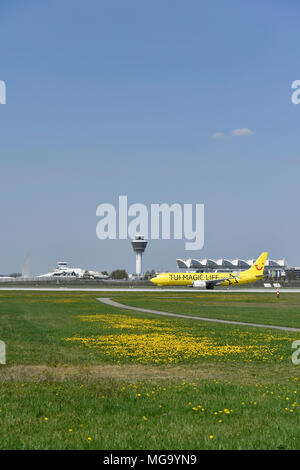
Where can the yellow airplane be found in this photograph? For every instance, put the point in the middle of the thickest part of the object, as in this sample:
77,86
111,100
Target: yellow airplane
210,280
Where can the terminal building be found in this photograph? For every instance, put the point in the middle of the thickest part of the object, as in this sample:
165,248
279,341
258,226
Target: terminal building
64,271
274,269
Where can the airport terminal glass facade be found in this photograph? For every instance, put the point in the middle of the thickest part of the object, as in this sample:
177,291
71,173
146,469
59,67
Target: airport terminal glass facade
274,269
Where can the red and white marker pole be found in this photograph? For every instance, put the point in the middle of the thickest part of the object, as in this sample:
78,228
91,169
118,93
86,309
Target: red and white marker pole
277,293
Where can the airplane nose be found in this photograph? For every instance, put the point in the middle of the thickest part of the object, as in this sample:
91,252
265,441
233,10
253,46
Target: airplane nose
154,279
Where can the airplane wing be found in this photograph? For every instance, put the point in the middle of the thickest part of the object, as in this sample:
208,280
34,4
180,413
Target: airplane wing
217,282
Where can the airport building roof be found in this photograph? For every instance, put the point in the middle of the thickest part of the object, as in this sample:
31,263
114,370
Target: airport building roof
224,263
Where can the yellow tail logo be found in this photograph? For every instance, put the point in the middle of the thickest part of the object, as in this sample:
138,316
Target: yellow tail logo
259,264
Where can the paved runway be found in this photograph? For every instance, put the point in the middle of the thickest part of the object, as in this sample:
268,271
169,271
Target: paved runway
154,290
112,303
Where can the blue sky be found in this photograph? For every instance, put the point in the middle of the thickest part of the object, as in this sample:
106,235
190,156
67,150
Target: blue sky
108,97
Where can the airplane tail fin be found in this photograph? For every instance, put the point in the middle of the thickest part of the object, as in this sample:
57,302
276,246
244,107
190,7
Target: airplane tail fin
258,266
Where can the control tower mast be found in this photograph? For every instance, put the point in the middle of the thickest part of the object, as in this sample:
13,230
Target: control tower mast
139,245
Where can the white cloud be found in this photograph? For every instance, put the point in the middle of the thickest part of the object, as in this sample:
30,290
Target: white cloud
218,135
243,131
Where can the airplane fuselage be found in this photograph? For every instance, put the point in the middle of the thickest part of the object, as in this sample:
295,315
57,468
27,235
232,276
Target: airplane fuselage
190,279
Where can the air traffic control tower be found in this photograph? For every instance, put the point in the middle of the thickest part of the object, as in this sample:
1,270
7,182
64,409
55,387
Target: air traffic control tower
139,245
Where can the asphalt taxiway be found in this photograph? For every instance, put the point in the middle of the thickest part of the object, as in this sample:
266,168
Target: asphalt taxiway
112,303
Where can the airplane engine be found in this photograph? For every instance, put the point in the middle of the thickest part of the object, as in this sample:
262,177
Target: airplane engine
201,284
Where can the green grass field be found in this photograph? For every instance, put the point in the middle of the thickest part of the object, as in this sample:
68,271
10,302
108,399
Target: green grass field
84,375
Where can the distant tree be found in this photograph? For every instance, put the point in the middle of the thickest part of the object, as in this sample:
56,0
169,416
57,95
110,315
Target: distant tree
105,273
119,274
86,275
149,274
